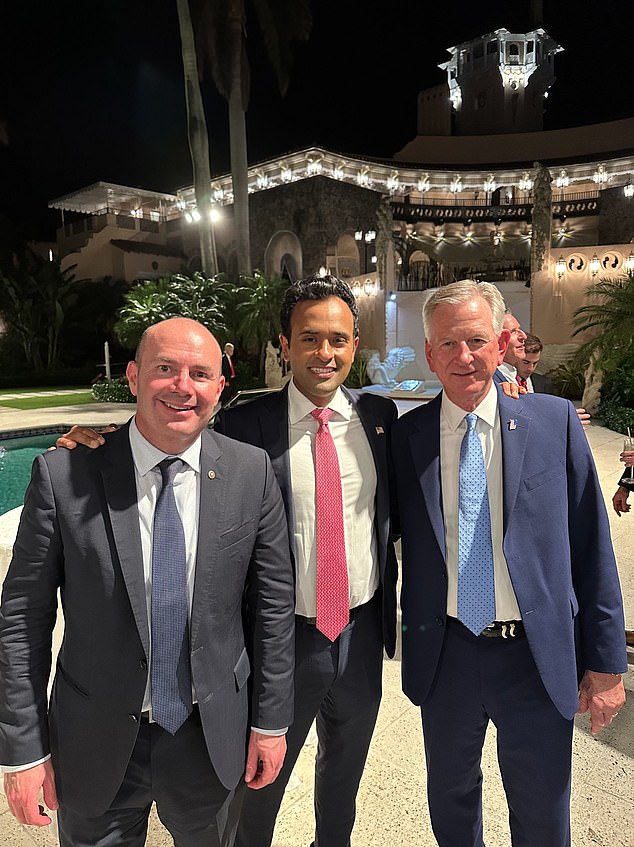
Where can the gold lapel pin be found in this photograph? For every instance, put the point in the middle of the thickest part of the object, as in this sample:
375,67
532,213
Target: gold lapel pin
211,474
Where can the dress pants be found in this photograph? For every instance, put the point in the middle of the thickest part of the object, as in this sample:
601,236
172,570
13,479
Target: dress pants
339,684
481,679
176,773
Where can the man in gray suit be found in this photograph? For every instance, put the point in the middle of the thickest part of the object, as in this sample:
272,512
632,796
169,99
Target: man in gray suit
96,526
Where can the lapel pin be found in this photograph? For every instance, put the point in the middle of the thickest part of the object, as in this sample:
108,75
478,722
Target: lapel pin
211,474
512,424
380,430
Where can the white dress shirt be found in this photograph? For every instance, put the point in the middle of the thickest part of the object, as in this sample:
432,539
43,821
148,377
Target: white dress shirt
358,484
509,372
452,430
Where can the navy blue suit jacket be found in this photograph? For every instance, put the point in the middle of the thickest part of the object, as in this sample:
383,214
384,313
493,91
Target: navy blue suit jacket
264,423
556,543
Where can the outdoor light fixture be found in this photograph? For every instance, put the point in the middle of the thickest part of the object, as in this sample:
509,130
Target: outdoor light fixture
560,267
455,186
423,184
526,183
392,297
214,215
563,180
628,189
594,265
629,263
356,289
196,215
370,235
368,287
188,217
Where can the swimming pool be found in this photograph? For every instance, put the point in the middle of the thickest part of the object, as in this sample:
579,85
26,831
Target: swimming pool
16,458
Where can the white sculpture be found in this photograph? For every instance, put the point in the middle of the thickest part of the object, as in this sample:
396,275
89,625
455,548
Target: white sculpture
272,367
385,372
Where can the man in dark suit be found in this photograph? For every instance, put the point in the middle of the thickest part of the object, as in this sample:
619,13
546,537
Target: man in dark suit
228,372
526,364
337,677
151,555
510,590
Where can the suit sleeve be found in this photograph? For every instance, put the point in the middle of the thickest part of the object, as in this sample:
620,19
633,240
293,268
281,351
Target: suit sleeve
27,619
595,576
271,613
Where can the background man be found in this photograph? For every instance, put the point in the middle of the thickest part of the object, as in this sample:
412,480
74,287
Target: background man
507,369
498,616
337,676
526,376
151,555
228,372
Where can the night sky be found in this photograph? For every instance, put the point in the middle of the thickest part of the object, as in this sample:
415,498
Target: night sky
94,91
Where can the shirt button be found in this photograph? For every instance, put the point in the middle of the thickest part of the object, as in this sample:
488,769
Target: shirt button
439,621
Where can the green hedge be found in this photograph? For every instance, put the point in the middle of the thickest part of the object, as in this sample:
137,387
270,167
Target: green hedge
115,391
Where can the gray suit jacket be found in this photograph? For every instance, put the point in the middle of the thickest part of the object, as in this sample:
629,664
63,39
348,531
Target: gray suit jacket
79,533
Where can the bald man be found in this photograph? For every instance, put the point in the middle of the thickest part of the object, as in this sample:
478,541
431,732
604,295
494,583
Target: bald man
152,541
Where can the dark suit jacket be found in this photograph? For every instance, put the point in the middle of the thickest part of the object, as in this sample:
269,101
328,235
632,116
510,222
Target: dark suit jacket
226,368
542,384
264,422
79,532
556,543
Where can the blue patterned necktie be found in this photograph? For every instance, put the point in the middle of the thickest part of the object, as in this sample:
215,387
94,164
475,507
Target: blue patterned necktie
476,586
171,674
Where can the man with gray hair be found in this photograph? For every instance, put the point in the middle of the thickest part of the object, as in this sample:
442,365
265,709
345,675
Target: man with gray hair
501,623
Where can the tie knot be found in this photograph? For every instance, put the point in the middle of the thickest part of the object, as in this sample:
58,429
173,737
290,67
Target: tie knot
322,415
471,420
169,468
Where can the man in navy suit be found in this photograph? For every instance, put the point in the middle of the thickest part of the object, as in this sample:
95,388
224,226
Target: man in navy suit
337,682
554,645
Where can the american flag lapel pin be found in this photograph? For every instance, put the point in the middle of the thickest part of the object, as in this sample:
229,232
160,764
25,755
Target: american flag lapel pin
512,424
380,430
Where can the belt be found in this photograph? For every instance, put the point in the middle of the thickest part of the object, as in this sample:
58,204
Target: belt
498,629
146,717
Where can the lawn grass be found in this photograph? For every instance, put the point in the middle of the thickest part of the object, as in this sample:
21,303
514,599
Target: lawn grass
49,402
35,388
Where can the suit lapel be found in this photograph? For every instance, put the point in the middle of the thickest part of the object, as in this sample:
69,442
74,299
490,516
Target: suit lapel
425,450
514,427
121,497
274,434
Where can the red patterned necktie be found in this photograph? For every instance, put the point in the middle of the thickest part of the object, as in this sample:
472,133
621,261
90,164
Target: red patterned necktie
521,382
333,606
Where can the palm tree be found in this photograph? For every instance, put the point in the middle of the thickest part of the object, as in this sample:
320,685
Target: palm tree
610,319
260,299
222,44
198,139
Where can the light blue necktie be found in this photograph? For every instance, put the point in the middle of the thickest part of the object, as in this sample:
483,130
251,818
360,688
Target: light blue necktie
171,674
476,586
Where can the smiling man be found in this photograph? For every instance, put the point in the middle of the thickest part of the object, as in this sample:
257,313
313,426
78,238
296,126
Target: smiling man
152,540
512,610
329,450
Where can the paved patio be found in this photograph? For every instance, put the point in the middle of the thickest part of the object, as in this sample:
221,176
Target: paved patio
391,805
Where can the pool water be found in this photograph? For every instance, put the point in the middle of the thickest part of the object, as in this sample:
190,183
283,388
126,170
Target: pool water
16,458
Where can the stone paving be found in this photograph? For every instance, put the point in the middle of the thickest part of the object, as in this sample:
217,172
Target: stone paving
391,809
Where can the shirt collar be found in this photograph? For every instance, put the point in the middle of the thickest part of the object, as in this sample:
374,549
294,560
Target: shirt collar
508,371
486,411
146,456
300,406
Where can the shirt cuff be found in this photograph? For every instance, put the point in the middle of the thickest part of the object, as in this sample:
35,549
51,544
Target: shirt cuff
270,731
18,768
